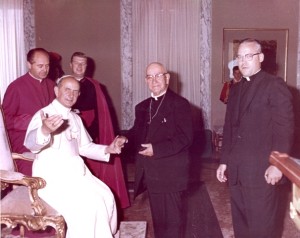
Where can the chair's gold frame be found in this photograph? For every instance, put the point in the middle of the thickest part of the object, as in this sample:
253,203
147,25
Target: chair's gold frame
22,206
41,215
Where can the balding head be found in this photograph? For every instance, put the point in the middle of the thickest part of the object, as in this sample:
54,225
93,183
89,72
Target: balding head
157,78
38,63
67,90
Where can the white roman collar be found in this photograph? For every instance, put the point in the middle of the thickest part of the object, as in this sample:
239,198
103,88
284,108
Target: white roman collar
156,97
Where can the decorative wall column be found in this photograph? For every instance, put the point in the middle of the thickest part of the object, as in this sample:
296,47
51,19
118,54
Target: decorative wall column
202,100
126,65
29,24
205,76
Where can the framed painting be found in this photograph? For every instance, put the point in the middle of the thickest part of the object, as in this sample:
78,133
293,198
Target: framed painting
274,46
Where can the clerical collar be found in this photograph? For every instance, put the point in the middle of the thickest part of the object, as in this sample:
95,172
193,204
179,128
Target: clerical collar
61,109
248,78
79,79
35,77
156,97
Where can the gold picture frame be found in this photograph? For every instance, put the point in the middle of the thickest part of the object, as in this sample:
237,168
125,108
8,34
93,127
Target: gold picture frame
274,46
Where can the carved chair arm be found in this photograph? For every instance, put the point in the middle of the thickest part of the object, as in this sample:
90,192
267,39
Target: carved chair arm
33,184
25,156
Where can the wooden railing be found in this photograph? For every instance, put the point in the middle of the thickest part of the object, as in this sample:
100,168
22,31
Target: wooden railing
290,167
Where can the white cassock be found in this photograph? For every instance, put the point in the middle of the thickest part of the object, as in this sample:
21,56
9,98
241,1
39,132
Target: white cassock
86,203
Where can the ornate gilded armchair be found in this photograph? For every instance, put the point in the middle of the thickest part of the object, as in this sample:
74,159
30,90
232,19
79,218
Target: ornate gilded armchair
21,206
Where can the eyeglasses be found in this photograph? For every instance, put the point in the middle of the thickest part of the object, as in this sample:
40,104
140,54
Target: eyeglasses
247,57
156,76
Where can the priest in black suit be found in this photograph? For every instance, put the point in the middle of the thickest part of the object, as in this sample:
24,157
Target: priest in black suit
162,134
259,119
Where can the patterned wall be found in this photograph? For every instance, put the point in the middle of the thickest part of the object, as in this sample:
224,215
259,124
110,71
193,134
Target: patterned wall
203,99
126,57
29,25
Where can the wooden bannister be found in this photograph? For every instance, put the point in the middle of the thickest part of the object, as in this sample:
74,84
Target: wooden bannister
289,166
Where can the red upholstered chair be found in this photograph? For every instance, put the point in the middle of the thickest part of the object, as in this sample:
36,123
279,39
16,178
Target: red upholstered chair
21,206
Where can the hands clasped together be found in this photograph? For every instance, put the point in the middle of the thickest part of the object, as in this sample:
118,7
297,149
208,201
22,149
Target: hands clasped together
116,146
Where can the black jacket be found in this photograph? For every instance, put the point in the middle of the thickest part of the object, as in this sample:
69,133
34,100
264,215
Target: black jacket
260,123
171,135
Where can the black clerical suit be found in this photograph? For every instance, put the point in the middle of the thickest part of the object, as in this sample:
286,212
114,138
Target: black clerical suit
259,119
167,125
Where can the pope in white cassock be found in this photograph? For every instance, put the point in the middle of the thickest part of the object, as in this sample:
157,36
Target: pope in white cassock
57,136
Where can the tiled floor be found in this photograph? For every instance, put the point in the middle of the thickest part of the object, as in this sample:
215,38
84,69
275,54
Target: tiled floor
218,192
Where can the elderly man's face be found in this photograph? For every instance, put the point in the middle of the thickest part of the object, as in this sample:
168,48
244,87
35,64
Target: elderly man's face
250,66
68,91
157,79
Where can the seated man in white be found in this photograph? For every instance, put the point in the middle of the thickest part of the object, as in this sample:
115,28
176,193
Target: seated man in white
58,137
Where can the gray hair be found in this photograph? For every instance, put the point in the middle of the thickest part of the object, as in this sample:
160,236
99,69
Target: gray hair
61,79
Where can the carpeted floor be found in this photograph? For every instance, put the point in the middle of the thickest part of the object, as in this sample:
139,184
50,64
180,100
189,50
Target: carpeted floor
209,206
201,217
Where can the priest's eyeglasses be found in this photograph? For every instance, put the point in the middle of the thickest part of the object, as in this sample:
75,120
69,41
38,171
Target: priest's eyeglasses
247,57
156,76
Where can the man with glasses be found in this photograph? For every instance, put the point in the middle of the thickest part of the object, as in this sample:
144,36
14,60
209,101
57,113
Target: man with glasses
23,98
161,136
92,107
259,119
